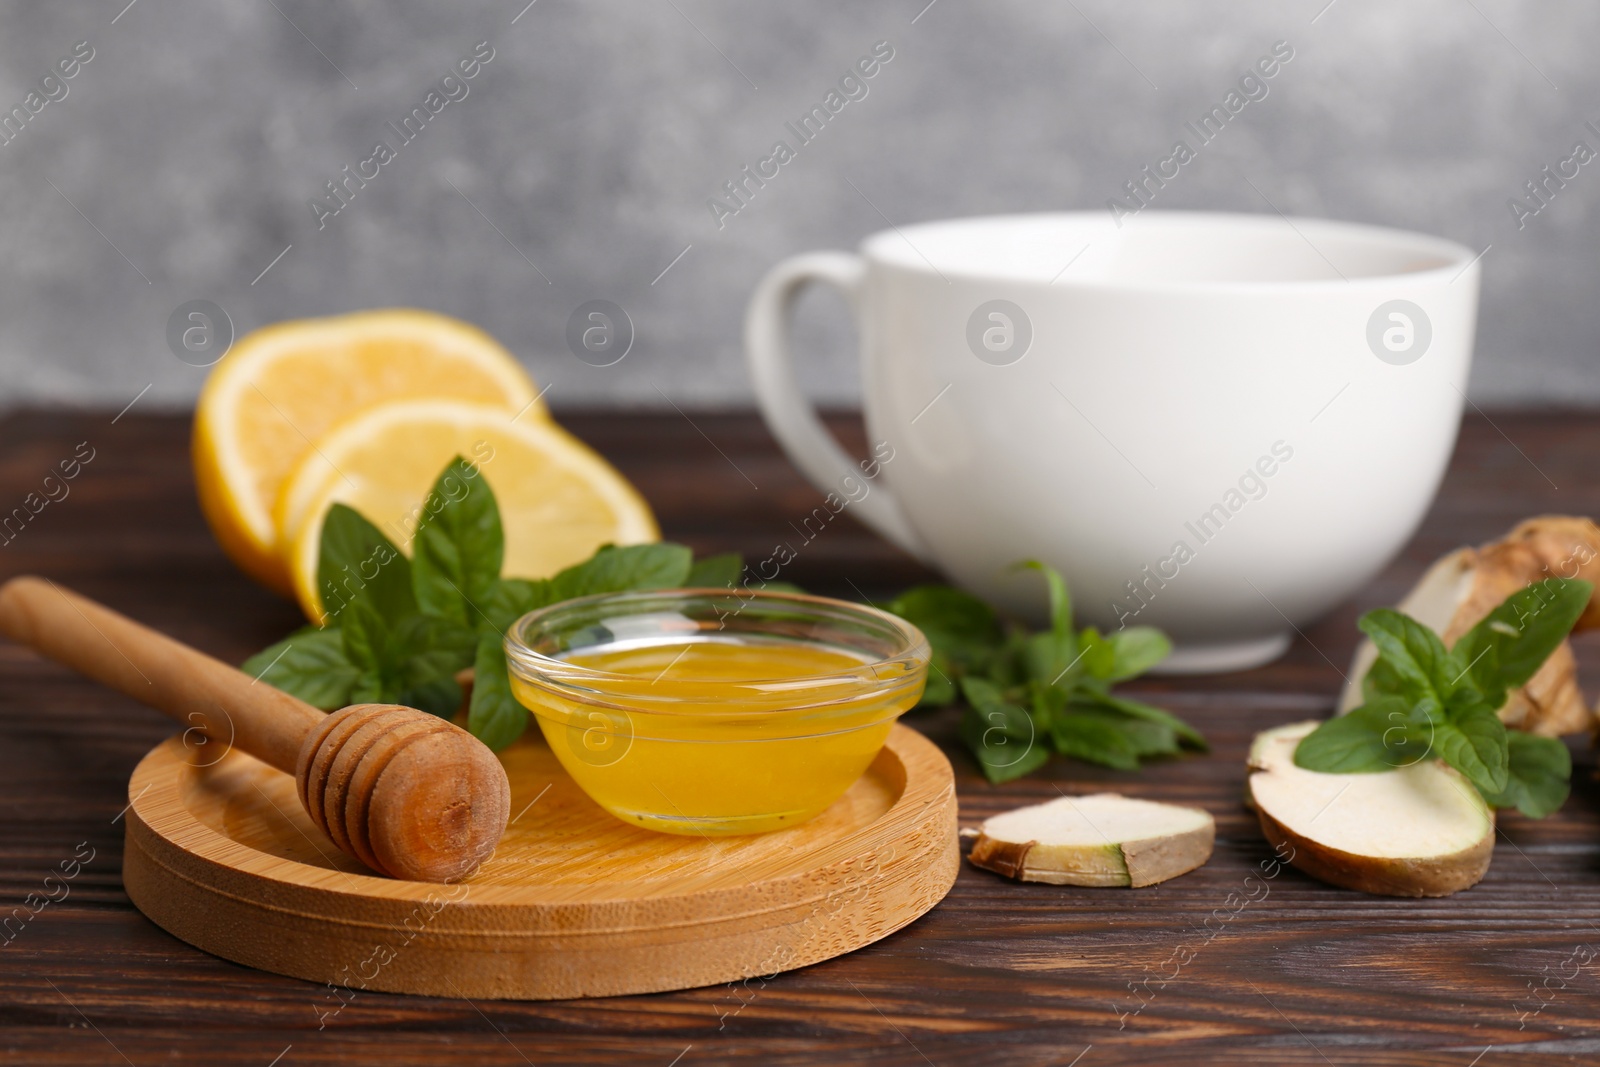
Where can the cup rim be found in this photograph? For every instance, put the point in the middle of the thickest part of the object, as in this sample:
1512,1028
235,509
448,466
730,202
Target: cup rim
896,248
539,668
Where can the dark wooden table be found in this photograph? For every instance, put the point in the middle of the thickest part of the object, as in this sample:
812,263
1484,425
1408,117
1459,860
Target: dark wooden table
999,973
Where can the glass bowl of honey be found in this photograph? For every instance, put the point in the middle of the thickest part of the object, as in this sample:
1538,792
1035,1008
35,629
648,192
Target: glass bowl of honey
715,711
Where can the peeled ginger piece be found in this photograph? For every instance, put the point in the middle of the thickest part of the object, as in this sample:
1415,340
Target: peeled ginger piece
1103,839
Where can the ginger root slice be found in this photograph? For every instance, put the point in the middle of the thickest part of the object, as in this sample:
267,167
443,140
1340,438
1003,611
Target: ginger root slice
1566,546
1465,585
1562,546
1101,840
1415,831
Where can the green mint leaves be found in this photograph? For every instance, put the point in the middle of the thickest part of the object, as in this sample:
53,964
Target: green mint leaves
1425,701
399,630
313,664
458,548
1539,778
356,562
1512,642
1031,694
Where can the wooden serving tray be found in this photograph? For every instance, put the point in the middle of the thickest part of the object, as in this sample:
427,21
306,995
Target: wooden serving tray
574,902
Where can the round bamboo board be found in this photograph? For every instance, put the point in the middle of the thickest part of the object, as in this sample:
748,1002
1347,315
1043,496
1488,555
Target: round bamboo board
573,903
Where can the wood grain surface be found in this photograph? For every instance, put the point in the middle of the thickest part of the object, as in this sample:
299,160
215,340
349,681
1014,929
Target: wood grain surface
1224,965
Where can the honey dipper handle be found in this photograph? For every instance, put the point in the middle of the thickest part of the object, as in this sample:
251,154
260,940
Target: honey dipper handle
199,692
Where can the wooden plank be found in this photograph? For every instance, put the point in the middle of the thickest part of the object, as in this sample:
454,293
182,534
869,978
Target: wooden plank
999,973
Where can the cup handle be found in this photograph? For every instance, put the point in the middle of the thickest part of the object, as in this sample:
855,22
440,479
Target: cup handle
789,415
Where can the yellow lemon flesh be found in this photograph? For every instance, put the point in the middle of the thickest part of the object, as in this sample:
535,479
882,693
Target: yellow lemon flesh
280,389
559,501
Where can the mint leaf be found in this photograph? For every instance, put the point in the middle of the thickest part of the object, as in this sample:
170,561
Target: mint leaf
310,664
1421,707
1377,736
1407,730
1509,645
1382,680
958,625
424,648
1345,744
494,716
1000,734
369,689
1005,667
1004,715
1095,740
1051,658
1064,674
1416,659
411,656
440,696
459,546
1135,709
358,564
940,690
509,600
716,572
1001,757
1060,599
1135,650
1473,741
1099,654
1147,738
1046,701
1423,700
1538,776
366,638
618,570
367,645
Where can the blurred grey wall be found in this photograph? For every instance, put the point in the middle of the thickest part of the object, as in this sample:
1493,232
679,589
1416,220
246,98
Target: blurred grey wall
181,161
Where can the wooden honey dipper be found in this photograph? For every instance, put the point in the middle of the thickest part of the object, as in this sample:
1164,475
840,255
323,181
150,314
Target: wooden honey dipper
404,792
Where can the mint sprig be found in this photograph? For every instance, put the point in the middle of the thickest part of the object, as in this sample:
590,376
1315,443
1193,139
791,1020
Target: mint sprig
1029,695
399,630
1424,701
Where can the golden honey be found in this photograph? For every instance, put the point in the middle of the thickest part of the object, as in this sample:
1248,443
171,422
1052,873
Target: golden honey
714,732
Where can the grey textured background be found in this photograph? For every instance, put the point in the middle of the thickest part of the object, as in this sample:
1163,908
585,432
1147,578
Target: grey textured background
197,134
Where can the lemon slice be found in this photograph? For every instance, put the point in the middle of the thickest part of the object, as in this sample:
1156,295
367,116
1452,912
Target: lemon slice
559,501
282,387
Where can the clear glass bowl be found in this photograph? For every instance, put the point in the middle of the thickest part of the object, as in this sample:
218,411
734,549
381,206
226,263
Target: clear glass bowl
697,747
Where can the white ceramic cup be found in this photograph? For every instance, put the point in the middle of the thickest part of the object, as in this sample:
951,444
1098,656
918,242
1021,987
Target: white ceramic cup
1221,425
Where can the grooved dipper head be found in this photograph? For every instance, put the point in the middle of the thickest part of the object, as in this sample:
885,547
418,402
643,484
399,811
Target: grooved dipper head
405,792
